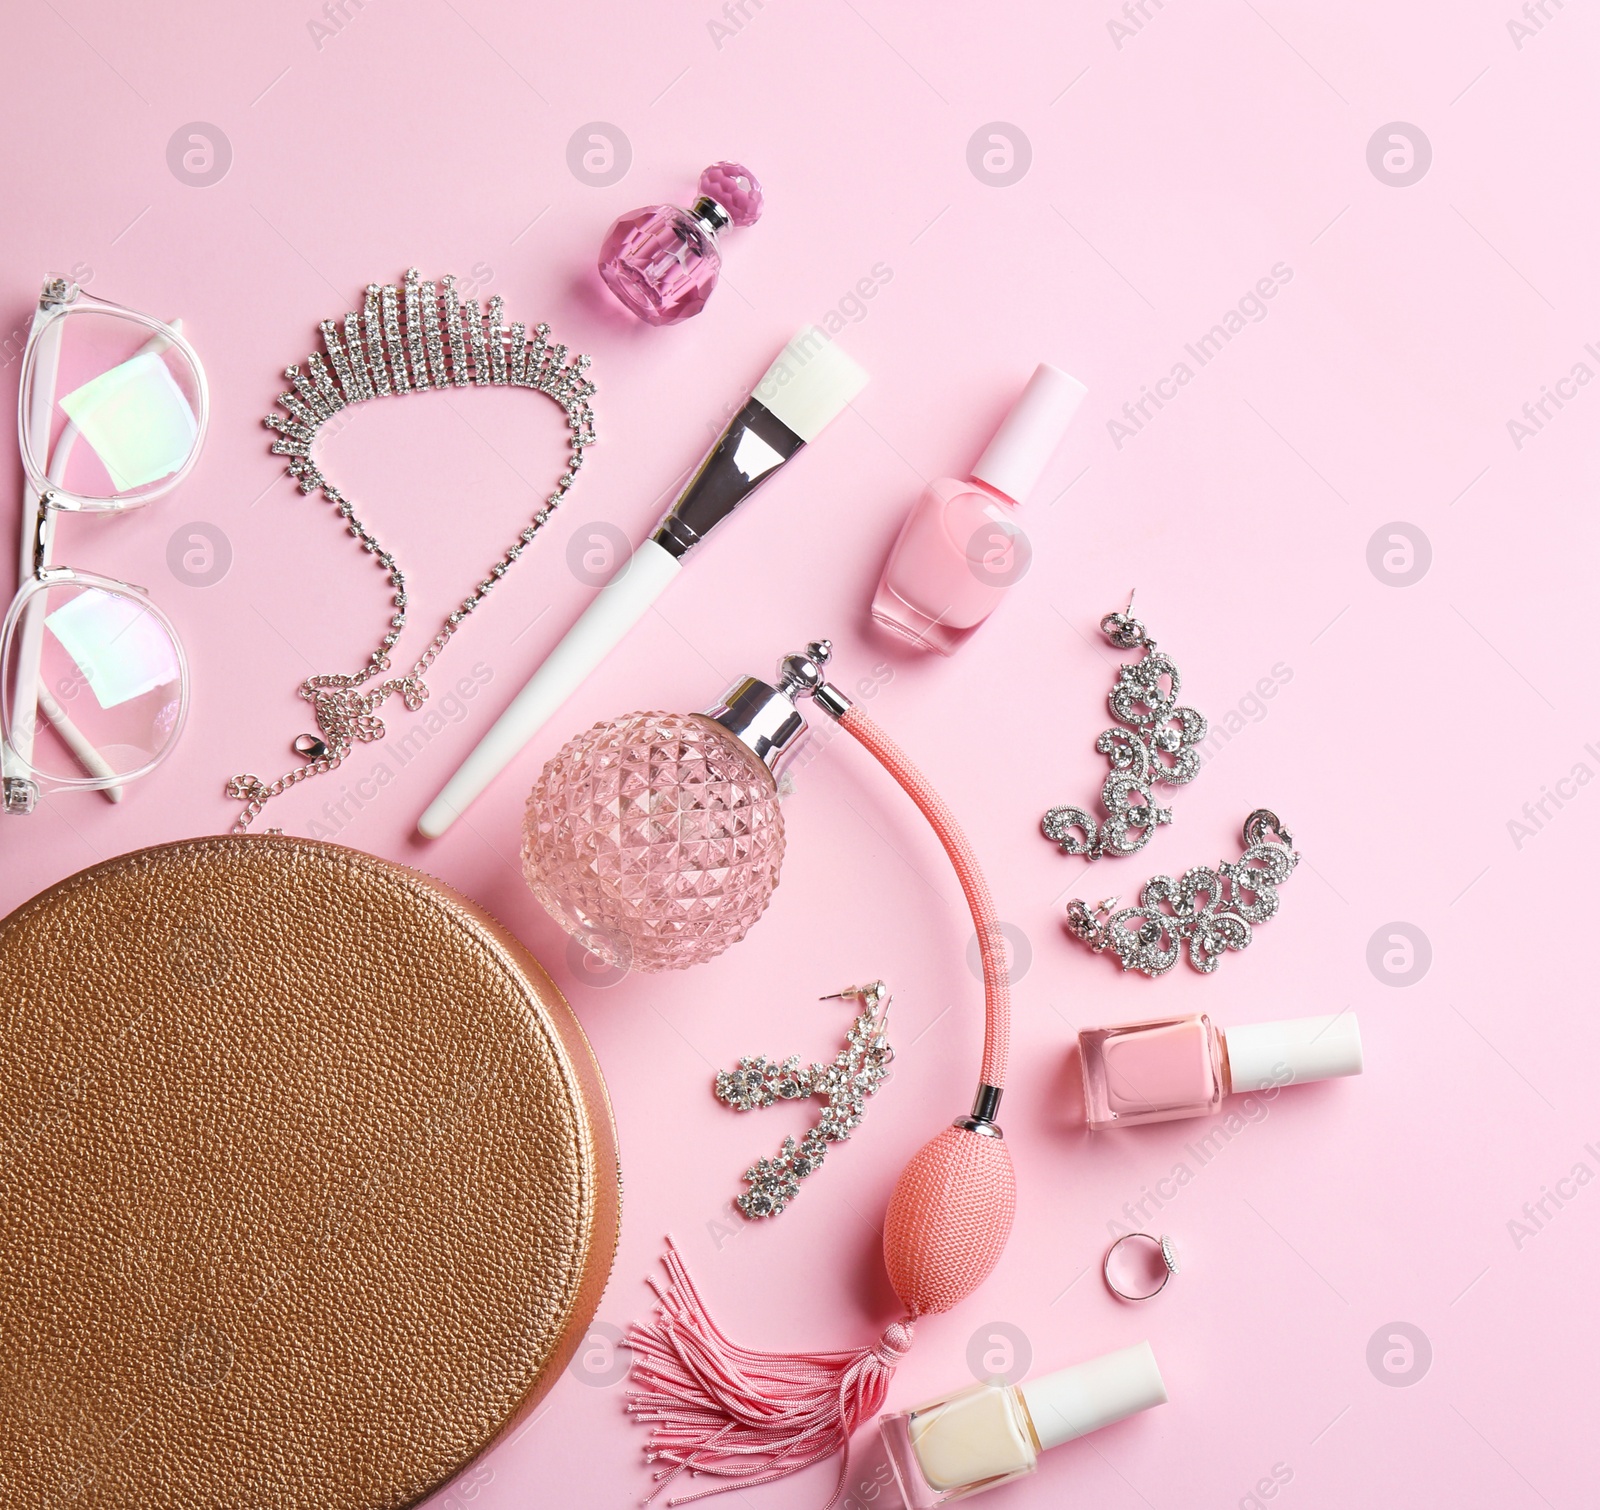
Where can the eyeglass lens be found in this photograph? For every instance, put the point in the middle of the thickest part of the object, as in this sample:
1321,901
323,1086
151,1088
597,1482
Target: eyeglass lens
126,411
92,681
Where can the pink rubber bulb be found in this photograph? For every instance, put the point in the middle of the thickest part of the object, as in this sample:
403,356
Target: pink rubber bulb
948,1219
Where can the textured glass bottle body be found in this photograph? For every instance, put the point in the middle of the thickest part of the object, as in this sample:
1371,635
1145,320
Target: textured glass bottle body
655,840
960,1444
958,551
661,263
1153,1071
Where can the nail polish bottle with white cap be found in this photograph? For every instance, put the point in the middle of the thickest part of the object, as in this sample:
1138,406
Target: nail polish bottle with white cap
1184,1066
986,1435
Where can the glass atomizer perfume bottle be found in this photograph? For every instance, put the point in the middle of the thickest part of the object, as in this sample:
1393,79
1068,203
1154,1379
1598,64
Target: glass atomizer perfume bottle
978,1438
656,840
663,262
1183,1066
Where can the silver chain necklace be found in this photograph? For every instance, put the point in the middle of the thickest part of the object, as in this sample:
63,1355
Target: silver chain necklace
407,339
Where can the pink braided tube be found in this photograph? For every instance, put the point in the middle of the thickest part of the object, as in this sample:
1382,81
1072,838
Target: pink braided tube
952,1207
991,942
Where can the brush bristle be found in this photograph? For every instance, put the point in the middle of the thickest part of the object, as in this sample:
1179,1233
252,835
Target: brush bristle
811,381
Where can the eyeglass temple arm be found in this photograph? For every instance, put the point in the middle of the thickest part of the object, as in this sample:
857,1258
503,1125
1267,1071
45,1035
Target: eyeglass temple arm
37,537
93,762
37,529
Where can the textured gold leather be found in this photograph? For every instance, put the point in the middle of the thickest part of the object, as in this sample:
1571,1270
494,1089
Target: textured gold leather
308,1182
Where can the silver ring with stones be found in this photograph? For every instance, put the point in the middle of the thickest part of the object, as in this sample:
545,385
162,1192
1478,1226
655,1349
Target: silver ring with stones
1169,1261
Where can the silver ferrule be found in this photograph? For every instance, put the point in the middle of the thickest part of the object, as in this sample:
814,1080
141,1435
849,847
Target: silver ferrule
676,536
985,1108
831,700
768,719
754,445
711,216
763,719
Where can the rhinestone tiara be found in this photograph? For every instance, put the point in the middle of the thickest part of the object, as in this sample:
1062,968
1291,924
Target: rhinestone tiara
419,336
406,340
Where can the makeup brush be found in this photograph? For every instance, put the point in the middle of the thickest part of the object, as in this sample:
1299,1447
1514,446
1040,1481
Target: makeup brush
805,388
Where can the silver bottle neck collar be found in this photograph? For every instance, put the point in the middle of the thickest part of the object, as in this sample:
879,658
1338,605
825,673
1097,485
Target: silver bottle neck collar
766,719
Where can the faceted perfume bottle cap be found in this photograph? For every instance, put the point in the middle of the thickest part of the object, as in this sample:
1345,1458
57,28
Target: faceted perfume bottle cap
736,189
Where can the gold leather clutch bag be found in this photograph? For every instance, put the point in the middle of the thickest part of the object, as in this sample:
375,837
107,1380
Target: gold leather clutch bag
308,1182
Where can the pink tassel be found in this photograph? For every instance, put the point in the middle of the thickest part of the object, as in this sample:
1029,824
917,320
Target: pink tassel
716,1408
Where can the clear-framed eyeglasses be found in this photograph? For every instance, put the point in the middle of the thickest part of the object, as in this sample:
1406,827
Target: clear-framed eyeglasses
94,686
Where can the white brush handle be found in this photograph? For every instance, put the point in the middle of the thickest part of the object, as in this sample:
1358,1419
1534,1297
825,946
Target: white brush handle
620,605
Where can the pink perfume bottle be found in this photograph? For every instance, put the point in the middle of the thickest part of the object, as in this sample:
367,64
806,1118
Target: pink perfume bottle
663,262
961,547
1183,1066
656,840
985,1435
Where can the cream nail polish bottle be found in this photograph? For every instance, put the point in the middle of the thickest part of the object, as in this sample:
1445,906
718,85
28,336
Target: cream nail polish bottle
989,1434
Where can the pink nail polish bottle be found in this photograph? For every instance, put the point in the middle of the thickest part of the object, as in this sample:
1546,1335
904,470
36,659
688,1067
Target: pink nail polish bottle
1183,1066
961,546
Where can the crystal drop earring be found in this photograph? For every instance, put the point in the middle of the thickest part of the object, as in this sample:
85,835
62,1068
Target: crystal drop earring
1157,747
1208,910
857,1071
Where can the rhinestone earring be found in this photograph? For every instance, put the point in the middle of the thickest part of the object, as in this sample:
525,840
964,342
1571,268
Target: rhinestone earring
1207,910
857,1071
1157,747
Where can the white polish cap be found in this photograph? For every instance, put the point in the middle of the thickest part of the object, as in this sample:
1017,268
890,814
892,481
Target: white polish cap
1075,1401
1262,1054
1028,437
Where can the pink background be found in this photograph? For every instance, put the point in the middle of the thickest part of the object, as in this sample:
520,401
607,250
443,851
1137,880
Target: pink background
1172,166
